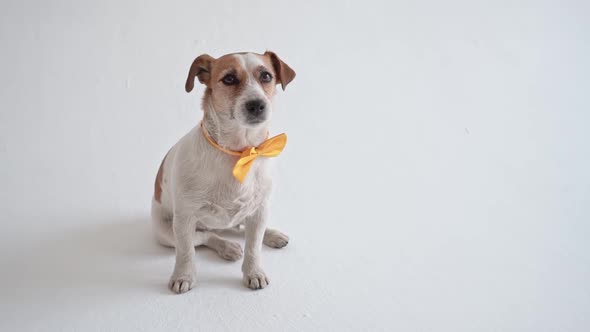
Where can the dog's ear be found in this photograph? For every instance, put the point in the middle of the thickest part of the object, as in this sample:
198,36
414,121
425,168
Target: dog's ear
201,68
283,72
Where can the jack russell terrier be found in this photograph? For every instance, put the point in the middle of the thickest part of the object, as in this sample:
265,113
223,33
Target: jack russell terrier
216,176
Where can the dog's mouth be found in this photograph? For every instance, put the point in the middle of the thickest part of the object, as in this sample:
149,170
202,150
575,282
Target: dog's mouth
255,121
248,119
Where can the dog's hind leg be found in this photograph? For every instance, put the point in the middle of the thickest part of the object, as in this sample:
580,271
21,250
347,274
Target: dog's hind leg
275,239
226,249
272,238
162,223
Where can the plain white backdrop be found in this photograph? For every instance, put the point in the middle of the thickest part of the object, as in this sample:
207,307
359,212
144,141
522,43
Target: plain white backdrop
437,176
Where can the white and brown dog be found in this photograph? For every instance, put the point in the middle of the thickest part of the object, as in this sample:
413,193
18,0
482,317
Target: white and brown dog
195,192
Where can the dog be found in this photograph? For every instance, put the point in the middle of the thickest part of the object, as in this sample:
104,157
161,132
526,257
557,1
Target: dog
198,191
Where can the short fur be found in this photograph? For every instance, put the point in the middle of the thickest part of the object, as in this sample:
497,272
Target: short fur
195,193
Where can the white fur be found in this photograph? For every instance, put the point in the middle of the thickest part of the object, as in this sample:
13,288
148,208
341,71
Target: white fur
200,196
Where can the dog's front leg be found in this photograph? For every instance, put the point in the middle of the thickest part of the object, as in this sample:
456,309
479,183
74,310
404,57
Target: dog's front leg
254,276
185,275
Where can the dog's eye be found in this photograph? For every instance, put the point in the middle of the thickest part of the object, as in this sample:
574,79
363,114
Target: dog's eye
265,77
230,79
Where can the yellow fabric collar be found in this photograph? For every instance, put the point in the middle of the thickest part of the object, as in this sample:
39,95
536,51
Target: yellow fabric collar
271,147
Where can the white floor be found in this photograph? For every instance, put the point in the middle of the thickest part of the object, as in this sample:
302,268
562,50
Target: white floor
437,176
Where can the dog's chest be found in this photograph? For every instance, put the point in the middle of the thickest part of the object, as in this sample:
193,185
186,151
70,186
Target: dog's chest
228,204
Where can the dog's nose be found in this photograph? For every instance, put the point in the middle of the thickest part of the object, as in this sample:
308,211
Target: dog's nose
255,107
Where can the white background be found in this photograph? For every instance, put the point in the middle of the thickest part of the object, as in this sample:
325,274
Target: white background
436,178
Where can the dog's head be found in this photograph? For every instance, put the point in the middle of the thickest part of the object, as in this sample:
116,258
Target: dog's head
241,85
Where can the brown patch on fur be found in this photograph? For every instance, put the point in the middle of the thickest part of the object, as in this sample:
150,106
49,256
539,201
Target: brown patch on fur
284,73
225,95
158,183
223,64
269,88
200,68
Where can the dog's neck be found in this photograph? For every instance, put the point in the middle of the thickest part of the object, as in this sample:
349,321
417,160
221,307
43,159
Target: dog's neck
228,133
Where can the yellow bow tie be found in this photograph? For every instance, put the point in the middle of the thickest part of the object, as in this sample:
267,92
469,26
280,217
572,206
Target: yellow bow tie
271,147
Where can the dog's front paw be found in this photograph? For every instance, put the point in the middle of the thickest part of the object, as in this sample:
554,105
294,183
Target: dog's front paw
275,239
183,282
256,279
